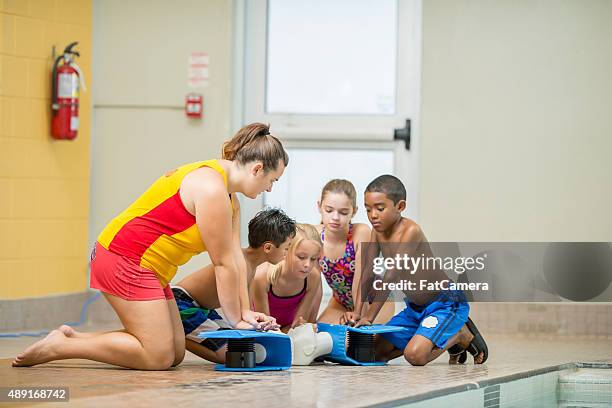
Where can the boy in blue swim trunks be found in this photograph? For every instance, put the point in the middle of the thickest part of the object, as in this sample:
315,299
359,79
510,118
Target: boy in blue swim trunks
434,321
270,233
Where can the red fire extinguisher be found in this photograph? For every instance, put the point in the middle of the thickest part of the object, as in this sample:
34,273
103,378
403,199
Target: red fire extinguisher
67,79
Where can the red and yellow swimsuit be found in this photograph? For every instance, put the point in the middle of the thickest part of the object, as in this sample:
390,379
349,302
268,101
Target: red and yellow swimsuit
156,233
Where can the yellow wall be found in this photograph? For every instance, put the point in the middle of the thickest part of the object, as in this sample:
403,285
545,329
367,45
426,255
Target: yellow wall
44,184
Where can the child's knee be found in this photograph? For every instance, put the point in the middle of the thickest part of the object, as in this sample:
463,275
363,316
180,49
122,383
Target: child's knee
382,349
221,356
415,355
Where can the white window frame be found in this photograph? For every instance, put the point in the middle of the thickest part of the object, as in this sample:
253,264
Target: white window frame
330,127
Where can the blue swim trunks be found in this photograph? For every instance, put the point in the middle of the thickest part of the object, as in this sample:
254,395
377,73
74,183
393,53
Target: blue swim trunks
438,321
197,319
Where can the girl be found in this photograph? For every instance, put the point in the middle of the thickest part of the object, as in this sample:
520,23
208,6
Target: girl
186,211
341,258
290,291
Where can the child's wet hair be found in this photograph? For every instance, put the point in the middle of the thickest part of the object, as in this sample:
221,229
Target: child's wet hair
389,185
341,186
272,225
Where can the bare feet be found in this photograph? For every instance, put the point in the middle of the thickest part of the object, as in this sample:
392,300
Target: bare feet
68,331
454,359
465,337
40,352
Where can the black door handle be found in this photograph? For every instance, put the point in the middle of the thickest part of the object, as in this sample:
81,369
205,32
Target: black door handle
403,134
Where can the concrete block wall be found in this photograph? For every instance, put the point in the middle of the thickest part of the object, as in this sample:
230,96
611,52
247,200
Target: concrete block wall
44,183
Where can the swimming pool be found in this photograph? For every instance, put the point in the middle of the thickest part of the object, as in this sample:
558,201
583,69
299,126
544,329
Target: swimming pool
566,385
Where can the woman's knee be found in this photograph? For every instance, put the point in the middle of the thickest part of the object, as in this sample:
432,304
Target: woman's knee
179,355
159,363
160,356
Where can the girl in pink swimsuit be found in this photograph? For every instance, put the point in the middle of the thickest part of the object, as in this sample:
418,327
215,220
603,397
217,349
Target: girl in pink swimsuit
291,290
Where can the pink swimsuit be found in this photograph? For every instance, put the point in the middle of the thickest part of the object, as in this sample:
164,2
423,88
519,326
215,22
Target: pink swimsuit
284,308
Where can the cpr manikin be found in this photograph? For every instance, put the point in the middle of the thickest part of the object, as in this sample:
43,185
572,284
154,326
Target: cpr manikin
307,344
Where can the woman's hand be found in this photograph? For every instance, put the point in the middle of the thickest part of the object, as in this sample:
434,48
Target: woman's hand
242,325
349,318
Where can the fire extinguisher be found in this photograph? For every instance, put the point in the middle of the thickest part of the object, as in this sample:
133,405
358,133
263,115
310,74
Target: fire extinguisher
67,79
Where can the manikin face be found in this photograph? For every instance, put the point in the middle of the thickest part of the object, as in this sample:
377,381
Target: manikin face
381,211
275,254
304,258
336,211
260,181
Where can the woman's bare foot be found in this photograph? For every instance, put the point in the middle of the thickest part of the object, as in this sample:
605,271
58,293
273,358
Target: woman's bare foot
68,331
40,352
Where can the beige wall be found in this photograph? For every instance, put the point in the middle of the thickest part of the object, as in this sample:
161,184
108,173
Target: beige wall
516,129
140,129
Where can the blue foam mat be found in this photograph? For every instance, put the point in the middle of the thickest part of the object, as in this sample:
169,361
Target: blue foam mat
221,367
277,346
239,334
339,333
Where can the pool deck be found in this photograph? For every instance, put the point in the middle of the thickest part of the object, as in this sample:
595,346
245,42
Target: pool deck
195,382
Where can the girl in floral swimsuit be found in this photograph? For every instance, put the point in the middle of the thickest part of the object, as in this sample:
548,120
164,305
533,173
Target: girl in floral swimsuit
341,253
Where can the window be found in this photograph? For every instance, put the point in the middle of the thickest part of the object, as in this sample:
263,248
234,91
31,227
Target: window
331,57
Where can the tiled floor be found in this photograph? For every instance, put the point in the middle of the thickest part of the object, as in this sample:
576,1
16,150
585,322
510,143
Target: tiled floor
195,383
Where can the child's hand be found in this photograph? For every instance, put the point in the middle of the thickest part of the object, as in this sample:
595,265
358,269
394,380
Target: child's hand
363,322
349,318
257,320
299,322
271,325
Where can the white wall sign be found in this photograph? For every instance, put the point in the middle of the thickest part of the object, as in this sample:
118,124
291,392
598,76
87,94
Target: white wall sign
197,76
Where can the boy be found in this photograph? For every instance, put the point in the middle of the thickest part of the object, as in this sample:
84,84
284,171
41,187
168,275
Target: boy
270,233
434,321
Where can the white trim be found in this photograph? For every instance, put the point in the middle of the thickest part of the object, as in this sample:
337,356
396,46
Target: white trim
248,207
238,49
374,127
407,164
339,131
340,144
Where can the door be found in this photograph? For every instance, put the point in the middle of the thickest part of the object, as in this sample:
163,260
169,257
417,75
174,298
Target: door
335,79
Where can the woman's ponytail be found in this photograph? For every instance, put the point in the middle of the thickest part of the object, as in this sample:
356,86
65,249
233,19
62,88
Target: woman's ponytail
255,143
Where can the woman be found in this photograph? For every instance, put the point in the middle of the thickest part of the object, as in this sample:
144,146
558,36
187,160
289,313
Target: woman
189,210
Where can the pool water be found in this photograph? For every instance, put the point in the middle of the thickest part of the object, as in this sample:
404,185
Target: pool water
586,385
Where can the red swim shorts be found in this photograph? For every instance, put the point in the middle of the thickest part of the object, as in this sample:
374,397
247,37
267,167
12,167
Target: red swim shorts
124,278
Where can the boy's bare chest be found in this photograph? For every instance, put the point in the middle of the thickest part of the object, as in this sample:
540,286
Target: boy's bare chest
397,237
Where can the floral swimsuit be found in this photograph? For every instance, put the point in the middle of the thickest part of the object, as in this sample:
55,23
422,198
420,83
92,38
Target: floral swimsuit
339,273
